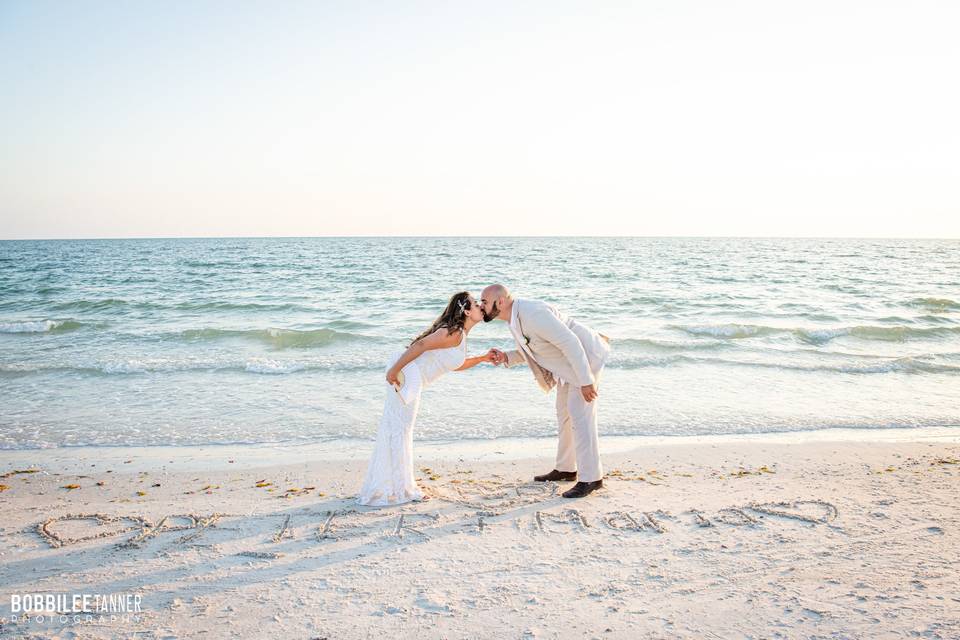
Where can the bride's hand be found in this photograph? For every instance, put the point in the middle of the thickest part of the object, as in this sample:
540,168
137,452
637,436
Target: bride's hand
392,378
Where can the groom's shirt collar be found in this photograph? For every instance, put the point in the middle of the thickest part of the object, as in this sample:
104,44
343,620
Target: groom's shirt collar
514,327
513,315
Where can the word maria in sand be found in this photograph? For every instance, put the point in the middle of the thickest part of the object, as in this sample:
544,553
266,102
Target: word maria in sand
75,607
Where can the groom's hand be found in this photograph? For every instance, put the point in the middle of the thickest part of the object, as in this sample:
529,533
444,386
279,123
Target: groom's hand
497,356
589,392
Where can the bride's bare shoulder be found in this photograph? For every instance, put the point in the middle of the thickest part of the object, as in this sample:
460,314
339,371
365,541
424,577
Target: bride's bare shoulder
451,337
442,338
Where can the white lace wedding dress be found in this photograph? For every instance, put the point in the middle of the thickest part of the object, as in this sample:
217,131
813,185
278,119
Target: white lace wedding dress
389,478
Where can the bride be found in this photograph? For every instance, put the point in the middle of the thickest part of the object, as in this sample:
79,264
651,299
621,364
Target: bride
439,349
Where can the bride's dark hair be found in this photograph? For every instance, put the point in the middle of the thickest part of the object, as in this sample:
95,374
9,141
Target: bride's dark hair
453,317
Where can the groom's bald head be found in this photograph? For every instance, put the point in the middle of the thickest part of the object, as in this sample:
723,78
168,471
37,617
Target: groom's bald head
495,292
493,300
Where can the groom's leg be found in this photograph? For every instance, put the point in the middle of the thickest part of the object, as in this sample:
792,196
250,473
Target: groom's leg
583,414
566,448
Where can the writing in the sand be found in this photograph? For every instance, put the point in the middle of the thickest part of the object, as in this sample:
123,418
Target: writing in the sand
514,505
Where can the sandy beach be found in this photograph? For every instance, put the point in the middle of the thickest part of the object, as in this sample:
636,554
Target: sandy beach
731,538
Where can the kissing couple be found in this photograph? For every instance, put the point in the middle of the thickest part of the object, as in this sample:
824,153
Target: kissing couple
560,351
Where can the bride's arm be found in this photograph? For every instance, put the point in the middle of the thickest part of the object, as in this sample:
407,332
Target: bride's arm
473,361
439,339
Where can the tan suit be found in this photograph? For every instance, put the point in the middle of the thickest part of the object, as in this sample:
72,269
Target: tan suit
569,355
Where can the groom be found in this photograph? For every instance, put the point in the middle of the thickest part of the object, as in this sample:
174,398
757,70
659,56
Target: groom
557,347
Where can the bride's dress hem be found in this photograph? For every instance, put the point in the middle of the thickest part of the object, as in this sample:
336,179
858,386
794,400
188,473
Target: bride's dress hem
380,501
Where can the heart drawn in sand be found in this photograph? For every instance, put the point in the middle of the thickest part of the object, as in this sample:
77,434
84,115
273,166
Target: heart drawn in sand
498,496
82,527
814,511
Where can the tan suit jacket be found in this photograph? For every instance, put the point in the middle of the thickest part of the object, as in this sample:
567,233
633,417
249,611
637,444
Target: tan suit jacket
554,345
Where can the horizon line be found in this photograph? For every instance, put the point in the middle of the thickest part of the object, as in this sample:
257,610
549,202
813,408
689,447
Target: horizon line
569,236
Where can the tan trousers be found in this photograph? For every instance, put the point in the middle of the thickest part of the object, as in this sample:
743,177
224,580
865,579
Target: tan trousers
578,448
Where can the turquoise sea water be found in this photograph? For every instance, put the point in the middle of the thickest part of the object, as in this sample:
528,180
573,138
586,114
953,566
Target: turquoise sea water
197,341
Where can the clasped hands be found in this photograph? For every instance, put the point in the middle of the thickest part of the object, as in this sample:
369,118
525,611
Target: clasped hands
495,357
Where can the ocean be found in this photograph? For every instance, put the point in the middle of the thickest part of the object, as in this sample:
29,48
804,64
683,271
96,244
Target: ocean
285,340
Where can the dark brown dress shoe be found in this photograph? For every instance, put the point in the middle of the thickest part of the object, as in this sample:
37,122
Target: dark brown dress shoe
583,489
556,476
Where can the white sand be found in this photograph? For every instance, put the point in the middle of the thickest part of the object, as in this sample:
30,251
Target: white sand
677,544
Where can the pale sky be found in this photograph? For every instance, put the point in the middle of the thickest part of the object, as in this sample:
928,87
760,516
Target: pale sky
201,118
